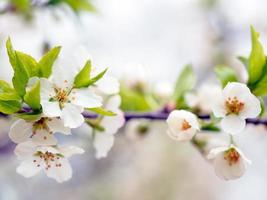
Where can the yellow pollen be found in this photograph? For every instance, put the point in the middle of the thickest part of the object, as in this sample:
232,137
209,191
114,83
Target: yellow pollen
232,156
185,125
233,105
61,96
49,159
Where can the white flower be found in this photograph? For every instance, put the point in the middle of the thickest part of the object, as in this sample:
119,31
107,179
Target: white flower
53,160
59,99
204,97
229,162
103,141
108,85
183,125
163,89
236,103
40,131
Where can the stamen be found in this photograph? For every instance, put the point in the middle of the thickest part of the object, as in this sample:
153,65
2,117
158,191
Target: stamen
185,125
233,105
232,156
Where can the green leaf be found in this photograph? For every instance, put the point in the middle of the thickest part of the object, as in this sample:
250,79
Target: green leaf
225,74
21,75
184,83
243,60
102,111
261,88
29,116
95,124
78,5
29,63
256,58
97,77
133,101
7,92
32,97
47,61
83,77
9,107
5,87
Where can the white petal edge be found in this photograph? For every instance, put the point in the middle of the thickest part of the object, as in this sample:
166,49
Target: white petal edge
233,124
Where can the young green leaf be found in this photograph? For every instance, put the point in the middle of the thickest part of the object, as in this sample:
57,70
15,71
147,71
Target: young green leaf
225,74
184,83
7,92
9,107
256,58
83,77
29,63
133,101
97,77
21,75
28,116
32,97
47,61
102,111
243,60
78,5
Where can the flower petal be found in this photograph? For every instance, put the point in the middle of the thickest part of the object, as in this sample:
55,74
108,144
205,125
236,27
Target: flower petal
28,168
20,131
71,115
252,107
62,173
214,152
113,103
226,171
114,123
69,151
51,109
233,124
47,90
234,89
182,135
218,108
108,85
57,125
63,78
103,144
85,98
25,150
43,137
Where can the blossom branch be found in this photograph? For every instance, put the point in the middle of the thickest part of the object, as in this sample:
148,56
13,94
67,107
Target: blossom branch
164,115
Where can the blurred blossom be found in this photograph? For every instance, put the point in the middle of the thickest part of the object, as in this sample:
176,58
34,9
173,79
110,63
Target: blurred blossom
163,89
203,97
136,129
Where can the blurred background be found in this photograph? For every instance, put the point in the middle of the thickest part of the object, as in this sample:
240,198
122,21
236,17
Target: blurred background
150,40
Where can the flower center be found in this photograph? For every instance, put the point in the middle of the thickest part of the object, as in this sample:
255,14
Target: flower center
185,125
61,95
231,156
40,124
233,105
49,159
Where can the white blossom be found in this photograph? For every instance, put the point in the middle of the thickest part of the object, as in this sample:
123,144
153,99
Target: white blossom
229,162
40,131
163,89
103,141
182,124
204,97
236,103
59,99
53,160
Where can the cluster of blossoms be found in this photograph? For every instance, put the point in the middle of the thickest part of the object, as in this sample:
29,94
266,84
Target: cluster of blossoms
235,104
55,99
